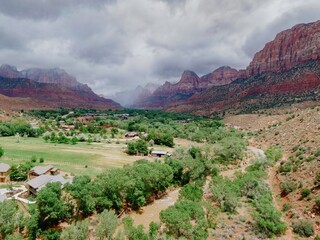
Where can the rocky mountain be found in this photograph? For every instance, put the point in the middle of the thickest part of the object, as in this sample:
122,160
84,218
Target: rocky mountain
50,88
10,71
56,76
290,48
286,70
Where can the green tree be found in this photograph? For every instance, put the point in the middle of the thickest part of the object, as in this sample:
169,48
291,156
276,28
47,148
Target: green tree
86,194
230,148
11,219
185,219
134,233
20,172
78,230
50,206
1,151
107,224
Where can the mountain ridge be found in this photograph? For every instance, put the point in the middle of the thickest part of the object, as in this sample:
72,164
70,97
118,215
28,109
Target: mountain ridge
50,88
291,49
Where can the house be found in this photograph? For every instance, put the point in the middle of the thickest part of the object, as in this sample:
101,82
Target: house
37,183
4,172
42,170
158,153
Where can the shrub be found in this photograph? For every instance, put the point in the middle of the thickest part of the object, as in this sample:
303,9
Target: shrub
318,201
285,168
303,228
318,177
1,151
33,159
286,207
305,192
287,187
41,160
273,153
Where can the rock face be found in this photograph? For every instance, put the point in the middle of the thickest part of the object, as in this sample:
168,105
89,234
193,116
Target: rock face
286,70
10,71
221,76
289,49
54,75
50,88
188,83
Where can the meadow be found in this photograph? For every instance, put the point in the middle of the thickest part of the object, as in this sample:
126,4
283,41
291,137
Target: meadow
82,158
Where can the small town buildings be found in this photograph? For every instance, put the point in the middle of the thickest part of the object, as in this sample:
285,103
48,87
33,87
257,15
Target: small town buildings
37,183
122,116
132,134
158,153
42,170
135,134
4,172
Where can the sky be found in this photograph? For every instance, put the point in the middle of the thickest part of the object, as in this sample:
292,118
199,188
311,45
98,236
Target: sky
115,45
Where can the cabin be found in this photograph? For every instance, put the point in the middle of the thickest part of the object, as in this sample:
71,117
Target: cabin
36,184
42,170
4,173
158,153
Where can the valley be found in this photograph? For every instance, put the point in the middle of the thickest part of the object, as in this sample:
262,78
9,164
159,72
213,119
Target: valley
223,187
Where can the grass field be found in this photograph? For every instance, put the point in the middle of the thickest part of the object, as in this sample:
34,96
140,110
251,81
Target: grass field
78,159
69,158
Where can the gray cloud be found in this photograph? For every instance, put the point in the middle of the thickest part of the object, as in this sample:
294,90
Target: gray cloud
116,45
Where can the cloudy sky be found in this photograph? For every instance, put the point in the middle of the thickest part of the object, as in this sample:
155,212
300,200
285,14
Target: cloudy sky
115,45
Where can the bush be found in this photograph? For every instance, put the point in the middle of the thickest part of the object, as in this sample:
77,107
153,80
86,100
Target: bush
1,152
305,192
191,192
318,201
41,160
286,207
274,153
139,147
285,168
318,177
303,228
33,159
287,187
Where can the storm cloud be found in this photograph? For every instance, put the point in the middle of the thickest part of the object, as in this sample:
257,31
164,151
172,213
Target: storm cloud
116,45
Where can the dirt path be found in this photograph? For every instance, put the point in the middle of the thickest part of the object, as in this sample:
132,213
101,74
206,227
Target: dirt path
151,212
274,184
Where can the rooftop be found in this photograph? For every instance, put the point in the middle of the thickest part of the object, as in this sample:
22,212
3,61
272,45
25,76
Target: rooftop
41,181
39,170
4,167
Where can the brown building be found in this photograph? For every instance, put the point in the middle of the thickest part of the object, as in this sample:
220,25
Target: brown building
4,172
37,183
42,170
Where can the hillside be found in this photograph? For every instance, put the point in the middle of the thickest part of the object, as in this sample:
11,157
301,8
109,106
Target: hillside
49,88
285,71
49,95
301,162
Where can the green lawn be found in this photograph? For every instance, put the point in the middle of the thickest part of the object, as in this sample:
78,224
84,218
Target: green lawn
69,158
78,159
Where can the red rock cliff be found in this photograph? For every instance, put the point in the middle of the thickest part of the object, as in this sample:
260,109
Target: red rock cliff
289,49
